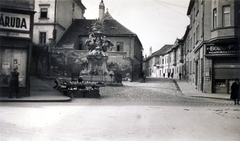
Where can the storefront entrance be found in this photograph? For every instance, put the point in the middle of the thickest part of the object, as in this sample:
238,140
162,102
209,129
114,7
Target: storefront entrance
225,71
11,58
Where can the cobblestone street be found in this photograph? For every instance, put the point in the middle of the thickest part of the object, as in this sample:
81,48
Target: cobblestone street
151,111
156,91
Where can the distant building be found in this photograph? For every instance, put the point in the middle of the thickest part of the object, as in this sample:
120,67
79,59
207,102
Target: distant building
157,64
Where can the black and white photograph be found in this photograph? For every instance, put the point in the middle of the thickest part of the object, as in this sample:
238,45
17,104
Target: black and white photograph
120,70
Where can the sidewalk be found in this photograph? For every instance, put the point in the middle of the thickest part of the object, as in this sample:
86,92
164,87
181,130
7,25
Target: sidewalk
43,92
40,92
189,90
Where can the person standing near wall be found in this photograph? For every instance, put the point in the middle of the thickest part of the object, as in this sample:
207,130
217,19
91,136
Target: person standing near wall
235,91
14,82
143,77
180,76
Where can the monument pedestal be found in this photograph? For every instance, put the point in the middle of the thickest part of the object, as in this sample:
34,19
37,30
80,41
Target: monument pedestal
97,64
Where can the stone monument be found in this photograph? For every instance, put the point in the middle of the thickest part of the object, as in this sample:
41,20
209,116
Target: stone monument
97,57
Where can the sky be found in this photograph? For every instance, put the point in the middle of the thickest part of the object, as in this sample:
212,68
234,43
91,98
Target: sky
156,22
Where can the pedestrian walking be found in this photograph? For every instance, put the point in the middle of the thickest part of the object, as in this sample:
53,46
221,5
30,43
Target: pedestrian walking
14,82
235,91
180,76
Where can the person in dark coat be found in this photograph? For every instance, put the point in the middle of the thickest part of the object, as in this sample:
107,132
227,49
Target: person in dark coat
14,83
143,77
180,76
80,79
235,91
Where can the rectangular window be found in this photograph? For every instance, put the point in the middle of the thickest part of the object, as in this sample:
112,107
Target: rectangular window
226,16
120,46
190,67
197,34
73,6
43,13
197,8
214,18
194,39
42,38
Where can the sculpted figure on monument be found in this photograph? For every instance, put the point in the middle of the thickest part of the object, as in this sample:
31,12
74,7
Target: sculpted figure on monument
97,43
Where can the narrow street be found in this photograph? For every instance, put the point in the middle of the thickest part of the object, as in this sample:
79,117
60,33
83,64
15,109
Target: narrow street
151,111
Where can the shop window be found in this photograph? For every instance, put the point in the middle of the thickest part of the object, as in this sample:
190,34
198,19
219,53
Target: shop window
220,86
43,12
42,38
226,16
13,58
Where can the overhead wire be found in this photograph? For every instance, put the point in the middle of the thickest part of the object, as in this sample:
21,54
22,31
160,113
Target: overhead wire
165,5
172,4
196,20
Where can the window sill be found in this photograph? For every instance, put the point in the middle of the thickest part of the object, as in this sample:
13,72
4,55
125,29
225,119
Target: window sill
226,27
43,18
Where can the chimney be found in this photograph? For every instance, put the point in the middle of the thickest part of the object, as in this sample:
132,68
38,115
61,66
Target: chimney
101,10
150,50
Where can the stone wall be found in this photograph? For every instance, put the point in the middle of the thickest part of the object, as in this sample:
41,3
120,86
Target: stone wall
66,62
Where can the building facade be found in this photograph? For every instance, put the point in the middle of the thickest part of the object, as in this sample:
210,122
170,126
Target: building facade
16,33
214,44
53,17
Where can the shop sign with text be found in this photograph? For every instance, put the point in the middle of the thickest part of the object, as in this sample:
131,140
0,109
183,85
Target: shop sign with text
229,49
14,21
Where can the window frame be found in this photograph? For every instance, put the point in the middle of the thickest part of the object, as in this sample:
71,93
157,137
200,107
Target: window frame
42,37
120,46
43,13
214,18
224,16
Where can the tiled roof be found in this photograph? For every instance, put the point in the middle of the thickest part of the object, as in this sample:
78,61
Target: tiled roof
82,27
162,51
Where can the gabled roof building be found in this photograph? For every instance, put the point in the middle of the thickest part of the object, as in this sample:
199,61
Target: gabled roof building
125,55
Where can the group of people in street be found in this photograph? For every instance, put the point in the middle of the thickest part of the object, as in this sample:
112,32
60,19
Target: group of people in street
170,75
235,91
